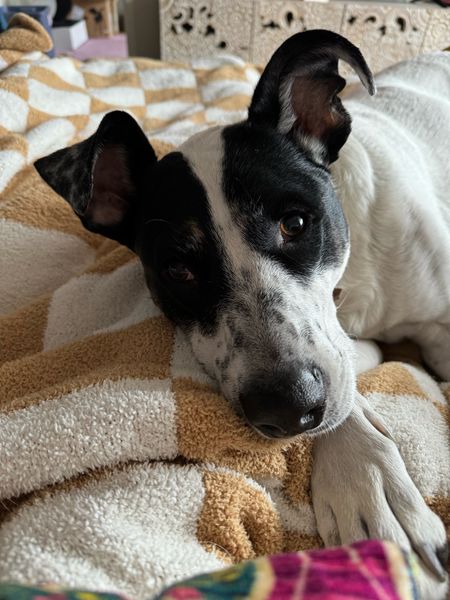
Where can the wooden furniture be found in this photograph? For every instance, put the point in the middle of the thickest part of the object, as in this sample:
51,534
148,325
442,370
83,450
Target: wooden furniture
101,17
253,29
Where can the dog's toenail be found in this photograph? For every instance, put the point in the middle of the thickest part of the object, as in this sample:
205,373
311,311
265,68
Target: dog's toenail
442,555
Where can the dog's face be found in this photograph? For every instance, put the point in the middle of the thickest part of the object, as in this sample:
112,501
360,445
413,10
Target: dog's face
240,234
249,273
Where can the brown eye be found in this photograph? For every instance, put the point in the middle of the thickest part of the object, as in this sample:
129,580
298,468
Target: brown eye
292,225
179,272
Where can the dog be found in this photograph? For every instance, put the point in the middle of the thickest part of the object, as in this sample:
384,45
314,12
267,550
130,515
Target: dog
244,237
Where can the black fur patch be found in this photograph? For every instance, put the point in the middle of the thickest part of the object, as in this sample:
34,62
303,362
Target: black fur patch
174,225
265,176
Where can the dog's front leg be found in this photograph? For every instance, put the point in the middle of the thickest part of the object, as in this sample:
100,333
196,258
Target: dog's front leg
361,489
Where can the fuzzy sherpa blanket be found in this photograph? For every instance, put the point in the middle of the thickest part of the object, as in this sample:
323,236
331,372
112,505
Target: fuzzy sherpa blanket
121,466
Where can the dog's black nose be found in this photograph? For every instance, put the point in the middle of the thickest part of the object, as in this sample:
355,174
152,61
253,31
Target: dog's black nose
287,404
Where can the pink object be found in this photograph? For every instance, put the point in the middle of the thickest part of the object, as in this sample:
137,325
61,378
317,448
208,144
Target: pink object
115,46
367,570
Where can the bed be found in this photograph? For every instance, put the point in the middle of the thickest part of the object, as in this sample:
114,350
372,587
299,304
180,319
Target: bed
121,466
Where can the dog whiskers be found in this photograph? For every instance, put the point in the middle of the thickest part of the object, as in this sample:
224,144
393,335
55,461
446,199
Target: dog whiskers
341,299
224,550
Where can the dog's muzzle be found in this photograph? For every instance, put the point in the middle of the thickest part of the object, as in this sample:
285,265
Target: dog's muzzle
285,405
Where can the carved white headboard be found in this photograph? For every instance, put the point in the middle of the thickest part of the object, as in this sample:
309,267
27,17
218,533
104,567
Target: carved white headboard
253,29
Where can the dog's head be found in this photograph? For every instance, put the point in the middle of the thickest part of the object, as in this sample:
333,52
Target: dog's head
240,234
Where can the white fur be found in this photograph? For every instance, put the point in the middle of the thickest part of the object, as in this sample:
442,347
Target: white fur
393,179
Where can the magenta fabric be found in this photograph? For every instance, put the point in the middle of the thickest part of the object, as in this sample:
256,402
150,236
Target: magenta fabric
368,570
361,571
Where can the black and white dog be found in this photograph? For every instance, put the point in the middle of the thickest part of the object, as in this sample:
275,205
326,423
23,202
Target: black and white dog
244,240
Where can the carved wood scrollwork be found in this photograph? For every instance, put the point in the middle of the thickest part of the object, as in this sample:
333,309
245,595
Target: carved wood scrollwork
193,28
253,29
275,20
386,34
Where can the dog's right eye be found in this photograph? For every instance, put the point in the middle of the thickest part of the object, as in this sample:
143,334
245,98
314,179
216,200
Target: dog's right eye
179,272
292,225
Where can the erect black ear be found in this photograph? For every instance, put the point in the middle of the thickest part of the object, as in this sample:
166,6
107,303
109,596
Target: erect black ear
102,177
297,92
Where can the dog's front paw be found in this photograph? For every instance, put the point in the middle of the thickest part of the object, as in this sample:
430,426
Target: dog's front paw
361,490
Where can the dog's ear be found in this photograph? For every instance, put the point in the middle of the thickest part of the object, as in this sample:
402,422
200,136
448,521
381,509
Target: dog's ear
102,177
297,92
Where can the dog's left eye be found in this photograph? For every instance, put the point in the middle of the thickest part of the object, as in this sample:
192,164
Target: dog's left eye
292,225
177,271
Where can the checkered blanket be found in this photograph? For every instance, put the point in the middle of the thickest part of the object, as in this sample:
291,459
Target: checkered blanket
121,466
